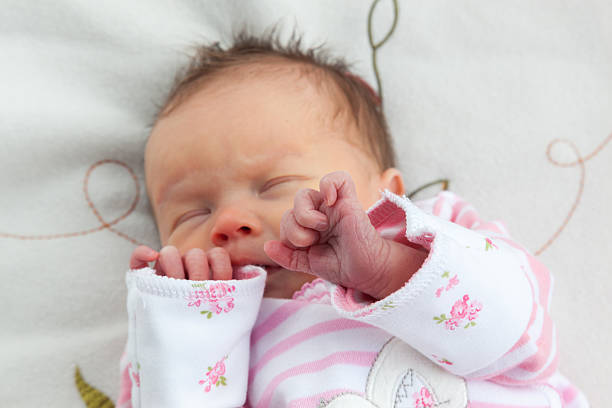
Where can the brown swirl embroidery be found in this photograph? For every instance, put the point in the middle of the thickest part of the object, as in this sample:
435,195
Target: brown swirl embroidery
580,161
103,223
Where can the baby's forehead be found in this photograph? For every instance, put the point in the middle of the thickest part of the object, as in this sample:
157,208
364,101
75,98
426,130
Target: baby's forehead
320,98
273,72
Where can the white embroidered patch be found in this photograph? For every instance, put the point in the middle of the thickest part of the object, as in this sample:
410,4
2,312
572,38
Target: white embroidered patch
413,391
401,377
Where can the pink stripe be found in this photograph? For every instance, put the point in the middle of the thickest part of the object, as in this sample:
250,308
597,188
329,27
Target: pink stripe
457,207
277,317
300,337
314,401
539,271
476,404
550,370
439,204
536,362
125,387
357,358
468,219
490,227
568,394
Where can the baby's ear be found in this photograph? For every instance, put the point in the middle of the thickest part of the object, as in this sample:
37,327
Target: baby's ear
392,180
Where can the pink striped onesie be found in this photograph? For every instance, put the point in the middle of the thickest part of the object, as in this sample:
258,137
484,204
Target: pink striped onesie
471,328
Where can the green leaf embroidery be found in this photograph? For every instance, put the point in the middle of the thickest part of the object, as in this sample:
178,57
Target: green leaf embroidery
388,305
445,274
441,318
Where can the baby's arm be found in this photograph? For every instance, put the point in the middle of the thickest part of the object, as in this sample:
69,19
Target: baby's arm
478,305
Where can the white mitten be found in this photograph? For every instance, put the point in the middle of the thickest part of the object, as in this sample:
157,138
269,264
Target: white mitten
188,342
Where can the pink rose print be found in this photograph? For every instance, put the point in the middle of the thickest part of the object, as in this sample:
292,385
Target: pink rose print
452,282
460,308
196,298
217,295
461,311
214,376
441,360
423,398
475,307
489,244
134,374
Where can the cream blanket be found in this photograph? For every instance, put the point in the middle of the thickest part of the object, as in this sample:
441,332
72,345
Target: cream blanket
477,92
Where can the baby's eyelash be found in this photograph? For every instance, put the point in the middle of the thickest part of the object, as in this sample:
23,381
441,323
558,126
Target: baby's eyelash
189,215
282,179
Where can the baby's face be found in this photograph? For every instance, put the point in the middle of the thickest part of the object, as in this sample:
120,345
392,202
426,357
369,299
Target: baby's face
225,165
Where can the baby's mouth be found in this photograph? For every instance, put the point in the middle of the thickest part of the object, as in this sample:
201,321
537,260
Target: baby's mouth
270,269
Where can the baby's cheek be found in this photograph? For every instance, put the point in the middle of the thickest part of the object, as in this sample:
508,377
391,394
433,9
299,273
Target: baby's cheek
185,239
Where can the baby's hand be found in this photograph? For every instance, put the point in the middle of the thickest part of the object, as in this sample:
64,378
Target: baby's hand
328,234
194,265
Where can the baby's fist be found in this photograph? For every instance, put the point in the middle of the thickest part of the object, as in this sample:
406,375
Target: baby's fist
328,234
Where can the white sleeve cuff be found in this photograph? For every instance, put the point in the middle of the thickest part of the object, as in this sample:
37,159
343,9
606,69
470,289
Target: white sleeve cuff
188,342
465,307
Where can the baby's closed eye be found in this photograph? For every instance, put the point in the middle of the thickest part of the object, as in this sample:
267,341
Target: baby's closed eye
192,215
282,181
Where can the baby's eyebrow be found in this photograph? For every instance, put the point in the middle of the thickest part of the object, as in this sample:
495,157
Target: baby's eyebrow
169,190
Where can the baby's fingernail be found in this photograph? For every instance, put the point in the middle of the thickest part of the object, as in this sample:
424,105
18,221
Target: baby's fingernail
322,225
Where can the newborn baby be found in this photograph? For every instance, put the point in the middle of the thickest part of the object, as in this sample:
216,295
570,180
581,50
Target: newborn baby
259,169
226,164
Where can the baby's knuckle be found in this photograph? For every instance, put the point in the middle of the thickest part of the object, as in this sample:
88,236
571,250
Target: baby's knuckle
194,253
217,253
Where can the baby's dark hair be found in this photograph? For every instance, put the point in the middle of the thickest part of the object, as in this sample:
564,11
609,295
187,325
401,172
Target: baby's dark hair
363,102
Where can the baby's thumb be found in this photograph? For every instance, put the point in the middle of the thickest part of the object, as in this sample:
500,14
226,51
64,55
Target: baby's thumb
289,258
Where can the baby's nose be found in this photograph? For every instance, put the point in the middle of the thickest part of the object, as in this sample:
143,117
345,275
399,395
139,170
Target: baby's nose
234,224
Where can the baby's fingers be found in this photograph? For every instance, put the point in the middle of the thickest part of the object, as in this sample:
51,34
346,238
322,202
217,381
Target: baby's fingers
170,263
338,184
305,205
292,233
196,264
220,263
141,257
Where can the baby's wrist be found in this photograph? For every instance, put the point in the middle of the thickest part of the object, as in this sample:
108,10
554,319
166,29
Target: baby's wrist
400,263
